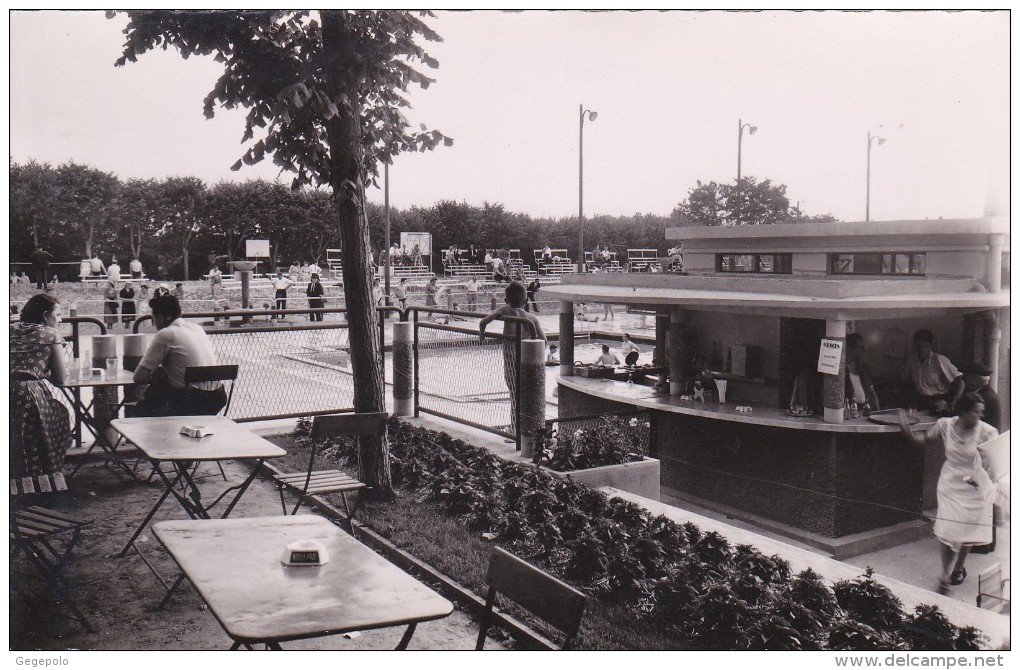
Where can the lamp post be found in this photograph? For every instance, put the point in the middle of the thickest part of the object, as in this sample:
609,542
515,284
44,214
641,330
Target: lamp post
580,184
867,192
389,261
751,130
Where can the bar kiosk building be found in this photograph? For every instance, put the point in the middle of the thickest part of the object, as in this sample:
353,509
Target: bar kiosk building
754,306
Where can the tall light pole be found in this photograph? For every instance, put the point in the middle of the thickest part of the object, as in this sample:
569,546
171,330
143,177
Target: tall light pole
389,261
580,184
751,130
867,196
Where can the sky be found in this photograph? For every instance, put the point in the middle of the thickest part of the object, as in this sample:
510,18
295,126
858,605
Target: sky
670,89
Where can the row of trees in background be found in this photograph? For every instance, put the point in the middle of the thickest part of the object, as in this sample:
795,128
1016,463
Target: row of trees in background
174,224
77,211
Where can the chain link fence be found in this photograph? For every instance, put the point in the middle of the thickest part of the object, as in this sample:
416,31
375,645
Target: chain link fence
635,426
287,367
461,377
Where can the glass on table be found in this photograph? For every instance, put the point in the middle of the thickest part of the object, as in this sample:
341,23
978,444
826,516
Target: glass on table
111,368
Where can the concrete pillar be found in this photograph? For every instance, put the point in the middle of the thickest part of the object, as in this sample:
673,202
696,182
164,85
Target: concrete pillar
104,398
661,333
994,338
532,392
134,349
993,275
403,368
566,338
834,386
674,352
245,292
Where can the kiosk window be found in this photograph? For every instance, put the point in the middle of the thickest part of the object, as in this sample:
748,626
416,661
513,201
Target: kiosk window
763,263
912,264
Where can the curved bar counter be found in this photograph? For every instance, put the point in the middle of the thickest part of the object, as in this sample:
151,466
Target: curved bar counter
811,477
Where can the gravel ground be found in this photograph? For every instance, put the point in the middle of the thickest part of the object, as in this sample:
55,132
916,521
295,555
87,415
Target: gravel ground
119,595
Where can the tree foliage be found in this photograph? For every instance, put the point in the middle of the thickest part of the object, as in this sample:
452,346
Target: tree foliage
324,94
747,203
299,225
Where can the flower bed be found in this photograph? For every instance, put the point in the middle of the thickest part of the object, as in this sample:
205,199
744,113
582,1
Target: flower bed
601,451
712,595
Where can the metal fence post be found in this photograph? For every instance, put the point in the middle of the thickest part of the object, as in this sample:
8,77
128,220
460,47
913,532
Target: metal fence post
519,391
416,370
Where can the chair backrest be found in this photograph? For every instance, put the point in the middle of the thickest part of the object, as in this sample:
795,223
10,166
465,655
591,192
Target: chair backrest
545,596
213,373
372,424
991,588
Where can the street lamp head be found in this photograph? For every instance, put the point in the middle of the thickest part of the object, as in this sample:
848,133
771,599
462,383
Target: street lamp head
753,130
881,141
592,115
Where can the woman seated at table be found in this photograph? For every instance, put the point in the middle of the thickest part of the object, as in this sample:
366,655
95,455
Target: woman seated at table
40,426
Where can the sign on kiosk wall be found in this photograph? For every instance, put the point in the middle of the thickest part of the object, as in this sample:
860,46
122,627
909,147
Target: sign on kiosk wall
829,355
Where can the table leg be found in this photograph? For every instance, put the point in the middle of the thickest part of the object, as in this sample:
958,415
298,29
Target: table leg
170,591
145,522
242,488
83,416
190,503
404,641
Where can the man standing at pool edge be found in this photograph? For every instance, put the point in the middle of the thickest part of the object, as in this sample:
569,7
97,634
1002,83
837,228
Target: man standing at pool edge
516,295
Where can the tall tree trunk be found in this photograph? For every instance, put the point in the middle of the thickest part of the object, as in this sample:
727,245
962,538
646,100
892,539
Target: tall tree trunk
346,157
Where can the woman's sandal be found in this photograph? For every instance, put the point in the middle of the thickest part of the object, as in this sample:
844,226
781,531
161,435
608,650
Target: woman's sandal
958,576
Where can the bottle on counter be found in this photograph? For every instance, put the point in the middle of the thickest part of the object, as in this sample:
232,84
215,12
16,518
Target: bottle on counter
854,411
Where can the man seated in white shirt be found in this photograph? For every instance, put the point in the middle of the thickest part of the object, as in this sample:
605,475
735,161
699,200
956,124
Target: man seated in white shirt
177,345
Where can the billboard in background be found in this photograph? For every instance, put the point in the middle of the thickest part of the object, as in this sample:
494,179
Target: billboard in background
256,248
423,240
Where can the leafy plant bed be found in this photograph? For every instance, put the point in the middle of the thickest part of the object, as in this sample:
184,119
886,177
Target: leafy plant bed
671,586
601,451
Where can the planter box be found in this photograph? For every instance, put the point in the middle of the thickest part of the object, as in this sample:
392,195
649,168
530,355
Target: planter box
640,477
594,372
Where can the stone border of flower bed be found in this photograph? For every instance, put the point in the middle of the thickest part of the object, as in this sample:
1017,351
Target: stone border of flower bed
640,477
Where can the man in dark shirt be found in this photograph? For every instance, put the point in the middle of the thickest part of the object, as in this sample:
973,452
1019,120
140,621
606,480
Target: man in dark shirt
41,267
975,379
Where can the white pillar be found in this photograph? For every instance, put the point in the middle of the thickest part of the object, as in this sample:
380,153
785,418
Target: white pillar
833,386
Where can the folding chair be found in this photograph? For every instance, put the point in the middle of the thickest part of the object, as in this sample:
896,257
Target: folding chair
548,598
315,482
46,537
992,590
224,373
